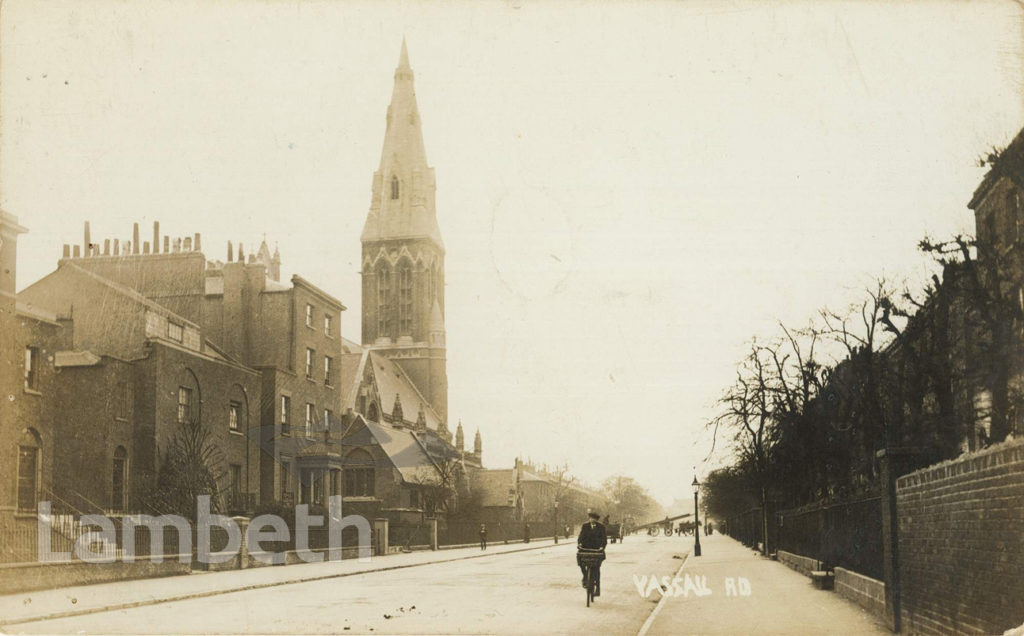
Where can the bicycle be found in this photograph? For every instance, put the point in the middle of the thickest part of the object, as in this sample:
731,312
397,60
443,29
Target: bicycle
591,560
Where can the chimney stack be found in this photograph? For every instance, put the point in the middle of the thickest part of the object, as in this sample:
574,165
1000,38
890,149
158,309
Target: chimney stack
156,237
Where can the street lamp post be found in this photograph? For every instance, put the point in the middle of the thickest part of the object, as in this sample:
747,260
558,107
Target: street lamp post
556,521
696,518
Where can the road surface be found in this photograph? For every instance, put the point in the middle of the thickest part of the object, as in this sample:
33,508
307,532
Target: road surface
536,591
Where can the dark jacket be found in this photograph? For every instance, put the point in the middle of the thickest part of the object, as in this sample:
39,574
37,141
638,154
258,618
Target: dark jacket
592,536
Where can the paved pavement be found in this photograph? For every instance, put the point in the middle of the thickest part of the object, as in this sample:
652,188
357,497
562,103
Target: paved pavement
778,600
528,592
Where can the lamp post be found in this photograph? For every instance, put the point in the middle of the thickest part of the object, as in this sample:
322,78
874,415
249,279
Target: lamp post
556,521
696,518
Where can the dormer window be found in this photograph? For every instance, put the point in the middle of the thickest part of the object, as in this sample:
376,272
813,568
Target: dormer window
394,188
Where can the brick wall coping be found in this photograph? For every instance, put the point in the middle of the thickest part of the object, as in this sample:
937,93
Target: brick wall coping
1009,452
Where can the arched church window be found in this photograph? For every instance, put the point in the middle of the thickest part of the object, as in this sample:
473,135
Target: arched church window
383,298
359,474
405,300
394,187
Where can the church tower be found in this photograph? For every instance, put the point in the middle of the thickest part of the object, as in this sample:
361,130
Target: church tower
403,255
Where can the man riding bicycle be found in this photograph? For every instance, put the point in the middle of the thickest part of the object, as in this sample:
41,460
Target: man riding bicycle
592,541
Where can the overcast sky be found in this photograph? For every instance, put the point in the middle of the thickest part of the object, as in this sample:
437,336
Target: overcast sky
627,192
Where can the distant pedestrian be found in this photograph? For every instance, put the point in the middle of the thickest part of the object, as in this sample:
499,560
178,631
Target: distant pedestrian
483,536
526,533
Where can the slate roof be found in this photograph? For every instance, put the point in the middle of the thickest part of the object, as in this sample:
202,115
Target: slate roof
391,381
350,379
404,450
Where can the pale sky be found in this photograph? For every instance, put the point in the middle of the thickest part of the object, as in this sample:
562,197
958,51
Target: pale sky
628,192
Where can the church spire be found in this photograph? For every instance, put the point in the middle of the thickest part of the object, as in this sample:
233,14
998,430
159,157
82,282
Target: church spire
403,59
402,203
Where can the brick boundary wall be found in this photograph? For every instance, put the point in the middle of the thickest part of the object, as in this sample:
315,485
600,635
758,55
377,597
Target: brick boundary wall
863,590
803,565
961,543
27,577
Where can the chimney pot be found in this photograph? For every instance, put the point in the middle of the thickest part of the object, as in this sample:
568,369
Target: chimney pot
67,251
167,245
135,238
106,247
231,252
156,237
196,244
77,252
145,247
188,244
117,247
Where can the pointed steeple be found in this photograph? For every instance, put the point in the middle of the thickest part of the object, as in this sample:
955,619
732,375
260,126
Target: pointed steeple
396,410
478,445
460,439
421,419
403,59
442,430
263,254
402,204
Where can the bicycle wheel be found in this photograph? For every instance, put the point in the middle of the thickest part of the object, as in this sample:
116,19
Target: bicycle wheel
590,584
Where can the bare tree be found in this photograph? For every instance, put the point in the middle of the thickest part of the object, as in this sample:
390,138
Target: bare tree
996,303
440,483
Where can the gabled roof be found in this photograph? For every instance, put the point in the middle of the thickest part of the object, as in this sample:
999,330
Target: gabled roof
392,380
1010,165
404,451
70,269
351,377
